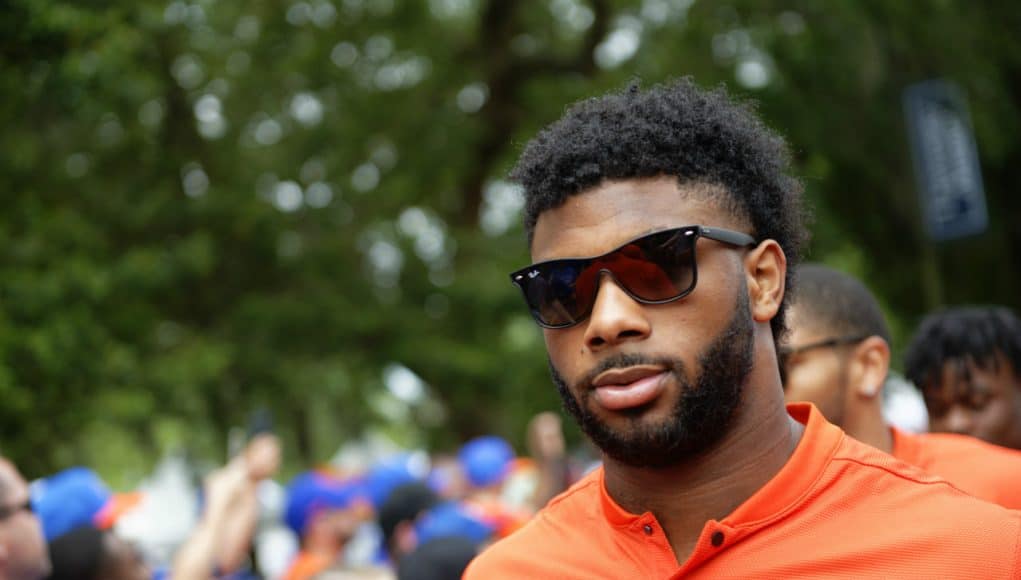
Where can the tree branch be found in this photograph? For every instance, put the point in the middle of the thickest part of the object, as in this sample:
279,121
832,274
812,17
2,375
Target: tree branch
507,73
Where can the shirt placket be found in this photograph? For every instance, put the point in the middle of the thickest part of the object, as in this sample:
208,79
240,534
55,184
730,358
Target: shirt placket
714,539
660,559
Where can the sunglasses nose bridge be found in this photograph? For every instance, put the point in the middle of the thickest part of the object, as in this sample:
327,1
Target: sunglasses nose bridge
607,274
599,275
614,314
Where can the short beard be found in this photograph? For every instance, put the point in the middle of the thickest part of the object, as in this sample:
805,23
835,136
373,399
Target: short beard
703,413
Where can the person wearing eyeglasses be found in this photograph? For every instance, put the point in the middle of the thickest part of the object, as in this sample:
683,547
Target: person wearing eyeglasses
23,553
967,363
664,229
837,356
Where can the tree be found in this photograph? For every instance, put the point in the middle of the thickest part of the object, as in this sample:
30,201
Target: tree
300,205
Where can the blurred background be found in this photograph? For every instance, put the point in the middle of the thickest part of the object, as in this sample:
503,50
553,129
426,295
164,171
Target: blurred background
212,208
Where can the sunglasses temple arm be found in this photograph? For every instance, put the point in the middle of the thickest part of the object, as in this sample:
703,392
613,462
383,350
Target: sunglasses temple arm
728,236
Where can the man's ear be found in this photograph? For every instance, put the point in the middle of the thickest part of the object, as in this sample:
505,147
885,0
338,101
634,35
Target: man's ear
870,363
766,268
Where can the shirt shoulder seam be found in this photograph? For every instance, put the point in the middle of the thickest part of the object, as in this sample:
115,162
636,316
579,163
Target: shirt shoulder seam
899,474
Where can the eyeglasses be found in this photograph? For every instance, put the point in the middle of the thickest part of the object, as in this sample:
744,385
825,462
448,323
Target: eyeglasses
787,352
9,511
654,269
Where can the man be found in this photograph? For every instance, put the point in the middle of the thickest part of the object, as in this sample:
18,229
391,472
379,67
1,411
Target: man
546,445
398,514
77,497
324,510
88,553
967,362
837,356
414,514
490,465
706,474
23,554
225,529
439,559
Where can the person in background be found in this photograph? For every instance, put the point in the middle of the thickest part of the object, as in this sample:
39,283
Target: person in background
486,461
88,553
447,478
77,497
967,361
661,225
398,515
440,559
23,554
489,463
78,512
415,515
324,510
532,481
837,356
545,436
227,524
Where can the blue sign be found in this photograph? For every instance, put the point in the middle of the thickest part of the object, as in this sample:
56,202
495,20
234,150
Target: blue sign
946,160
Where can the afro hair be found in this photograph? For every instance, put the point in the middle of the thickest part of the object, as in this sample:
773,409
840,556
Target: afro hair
677,129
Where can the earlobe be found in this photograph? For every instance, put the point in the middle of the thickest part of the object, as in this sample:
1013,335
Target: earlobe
766,268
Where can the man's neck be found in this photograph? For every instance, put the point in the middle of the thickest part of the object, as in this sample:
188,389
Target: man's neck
709,487
866,424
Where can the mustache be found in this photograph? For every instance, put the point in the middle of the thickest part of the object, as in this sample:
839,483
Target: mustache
625,360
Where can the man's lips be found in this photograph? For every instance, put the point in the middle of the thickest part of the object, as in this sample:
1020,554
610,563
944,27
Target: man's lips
619,389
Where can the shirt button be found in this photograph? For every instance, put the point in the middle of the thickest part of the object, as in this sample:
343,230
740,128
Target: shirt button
717,539
647,529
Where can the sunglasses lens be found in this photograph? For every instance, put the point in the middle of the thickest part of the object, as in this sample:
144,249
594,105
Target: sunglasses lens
656,268
560,293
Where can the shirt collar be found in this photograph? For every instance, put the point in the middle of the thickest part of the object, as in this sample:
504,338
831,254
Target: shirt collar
818,444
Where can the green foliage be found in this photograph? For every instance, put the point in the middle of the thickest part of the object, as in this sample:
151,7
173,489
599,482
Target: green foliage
213,207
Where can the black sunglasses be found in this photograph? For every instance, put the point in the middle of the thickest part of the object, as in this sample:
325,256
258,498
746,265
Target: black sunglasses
786,352
654,269
9,511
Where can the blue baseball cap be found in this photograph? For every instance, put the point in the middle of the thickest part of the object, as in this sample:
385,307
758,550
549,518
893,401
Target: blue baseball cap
393,472
74,498
314,491
452,519
486,460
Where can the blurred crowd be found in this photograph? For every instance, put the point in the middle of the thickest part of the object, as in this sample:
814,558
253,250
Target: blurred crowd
403,515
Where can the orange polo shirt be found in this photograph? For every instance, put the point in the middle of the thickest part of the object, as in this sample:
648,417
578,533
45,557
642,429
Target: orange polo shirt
986,471
837,509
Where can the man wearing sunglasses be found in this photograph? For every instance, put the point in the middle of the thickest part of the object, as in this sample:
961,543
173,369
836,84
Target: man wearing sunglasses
837,356
661,224
23,554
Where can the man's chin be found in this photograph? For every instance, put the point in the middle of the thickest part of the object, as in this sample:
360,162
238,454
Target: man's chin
639,441
645,457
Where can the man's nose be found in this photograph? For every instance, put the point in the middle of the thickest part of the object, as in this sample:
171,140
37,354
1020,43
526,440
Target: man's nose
616,317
